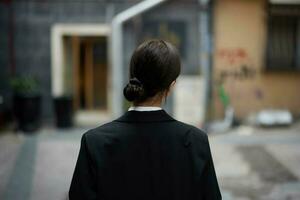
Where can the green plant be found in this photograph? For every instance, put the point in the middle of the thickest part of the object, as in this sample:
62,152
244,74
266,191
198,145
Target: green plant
223,95
25,85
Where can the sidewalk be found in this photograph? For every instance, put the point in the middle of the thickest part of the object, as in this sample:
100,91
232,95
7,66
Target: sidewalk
38,167
258,164
251,164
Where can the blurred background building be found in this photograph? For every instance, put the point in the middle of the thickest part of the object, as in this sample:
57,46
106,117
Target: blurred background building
256,55
68,59
67,46
235,53
248,48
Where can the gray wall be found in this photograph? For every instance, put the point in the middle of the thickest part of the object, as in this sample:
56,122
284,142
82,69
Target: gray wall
169,12
4,54
33,21
187,14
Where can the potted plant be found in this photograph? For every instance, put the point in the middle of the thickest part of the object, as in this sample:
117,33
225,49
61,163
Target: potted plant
26,103
1,112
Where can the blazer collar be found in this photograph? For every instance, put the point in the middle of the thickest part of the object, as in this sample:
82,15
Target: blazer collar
145,116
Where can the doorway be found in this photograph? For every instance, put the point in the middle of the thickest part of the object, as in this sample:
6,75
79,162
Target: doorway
86,76
80,68
89,58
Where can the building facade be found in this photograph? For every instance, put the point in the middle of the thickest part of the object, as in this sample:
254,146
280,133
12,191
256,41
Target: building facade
237,53
66,45
256,56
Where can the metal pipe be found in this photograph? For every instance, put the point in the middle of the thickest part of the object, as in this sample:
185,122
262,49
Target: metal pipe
11,34
205,54
117,50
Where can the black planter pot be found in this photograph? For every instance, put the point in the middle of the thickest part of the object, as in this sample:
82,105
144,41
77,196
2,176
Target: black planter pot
63,112
2,121
27,111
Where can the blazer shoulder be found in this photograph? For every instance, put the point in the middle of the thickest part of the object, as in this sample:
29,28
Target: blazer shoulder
101,132
196,140
193,132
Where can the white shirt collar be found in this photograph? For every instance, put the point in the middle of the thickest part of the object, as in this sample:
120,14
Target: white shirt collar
144,108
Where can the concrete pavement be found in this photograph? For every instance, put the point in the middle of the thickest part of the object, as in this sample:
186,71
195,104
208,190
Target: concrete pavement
251,163
258,164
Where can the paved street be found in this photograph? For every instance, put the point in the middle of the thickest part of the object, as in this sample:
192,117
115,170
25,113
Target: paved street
258,164
251,163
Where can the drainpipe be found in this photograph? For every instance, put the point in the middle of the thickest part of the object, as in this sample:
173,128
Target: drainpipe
117,55
11,33
205,59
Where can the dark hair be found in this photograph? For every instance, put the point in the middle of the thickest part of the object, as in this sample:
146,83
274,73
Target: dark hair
154,65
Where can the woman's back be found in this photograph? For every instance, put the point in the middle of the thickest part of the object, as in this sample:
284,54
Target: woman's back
145,155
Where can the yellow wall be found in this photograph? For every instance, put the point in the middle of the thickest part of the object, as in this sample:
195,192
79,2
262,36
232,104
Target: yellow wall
240,40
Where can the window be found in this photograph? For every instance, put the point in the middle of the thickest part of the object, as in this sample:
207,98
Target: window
283,48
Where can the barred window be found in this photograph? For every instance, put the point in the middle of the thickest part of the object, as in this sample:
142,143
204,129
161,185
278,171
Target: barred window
283,48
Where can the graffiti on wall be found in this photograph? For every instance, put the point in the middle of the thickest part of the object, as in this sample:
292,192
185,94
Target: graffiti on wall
235,65
241,73
238,65
232,56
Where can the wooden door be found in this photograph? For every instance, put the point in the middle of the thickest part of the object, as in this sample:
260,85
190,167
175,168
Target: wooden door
90,73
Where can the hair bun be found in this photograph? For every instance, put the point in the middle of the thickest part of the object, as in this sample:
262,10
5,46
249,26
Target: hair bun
134,90
135,81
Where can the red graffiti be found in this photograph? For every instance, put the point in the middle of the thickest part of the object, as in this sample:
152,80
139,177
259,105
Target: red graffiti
232,56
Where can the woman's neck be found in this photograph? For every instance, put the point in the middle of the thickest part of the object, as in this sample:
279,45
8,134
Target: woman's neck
147,105
153,102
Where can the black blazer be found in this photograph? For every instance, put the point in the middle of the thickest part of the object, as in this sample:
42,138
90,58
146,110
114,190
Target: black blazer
144,155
